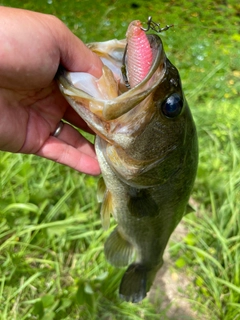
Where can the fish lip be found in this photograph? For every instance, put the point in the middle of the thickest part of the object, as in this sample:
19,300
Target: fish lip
134,95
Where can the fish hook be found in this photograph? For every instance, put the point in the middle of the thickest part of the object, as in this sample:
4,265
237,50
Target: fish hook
155,26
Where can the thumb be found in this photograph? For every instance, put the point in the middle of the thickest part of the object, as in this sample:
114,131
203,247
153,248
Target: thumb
75,56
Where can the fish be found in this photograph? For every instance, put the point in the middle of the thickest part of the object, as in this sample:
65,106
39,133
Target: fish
147,147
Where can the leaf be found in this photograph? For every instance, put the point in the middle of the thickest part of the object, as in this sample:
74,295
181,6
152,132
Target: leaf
102,276
190,239
48,300
88,289
49,316
65,303
21,206
180,263
38,309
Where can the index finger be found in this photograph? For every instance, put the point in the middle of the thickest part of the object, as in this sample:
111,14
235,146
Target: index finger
72,149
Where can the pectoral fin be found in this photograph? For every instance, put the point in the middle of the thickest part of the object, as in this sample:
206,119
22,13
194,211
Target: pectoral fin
118,251
141,204
106,210
101,189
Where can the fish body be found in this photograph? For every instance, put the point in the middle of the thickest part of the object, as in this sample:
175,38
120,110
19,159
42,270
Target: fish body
147,149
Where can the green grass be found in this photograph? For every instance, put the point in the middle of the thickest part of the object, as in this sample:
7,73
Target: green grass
52,264
51,247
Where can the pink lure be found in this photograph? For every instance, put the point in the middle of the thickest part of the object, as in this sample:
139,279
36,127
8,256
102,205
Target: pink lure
139,53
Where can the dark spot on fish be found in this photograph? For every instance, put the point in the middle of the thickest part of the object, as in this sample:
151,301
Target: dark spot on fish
135,5
141,204
172,106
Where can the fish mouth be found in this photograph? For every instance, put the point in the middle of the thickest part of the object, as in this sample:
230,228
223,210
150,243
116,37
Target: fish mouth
112,53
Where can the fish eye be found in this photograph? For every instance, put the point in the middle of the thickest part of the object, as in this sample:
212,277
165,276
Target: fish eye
172,106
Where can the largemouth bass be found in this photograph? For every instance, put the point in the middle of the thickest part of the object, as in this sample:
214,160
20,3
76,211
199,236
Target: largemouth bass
146,144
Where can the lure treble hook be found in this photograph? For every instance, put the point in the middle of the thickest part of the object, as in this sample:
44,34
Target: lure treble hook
155,26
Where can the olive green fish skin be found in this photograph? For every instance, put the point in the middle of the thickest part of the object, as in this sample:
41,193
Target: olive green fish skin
149,163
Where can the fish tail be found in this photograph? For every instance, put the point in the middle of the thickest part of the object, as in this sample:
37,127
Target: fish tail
136,282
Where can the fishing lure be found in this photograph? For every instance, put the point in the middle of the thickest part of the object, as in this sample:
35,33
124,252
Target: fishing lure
141,53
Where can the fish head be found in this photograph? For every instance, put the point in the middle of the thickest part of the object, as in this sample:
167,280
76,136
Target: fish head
107,101
144,130
108,97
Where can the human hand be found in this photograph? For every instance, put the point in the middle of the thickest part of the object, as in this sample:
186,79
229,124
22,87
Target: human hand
31,105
